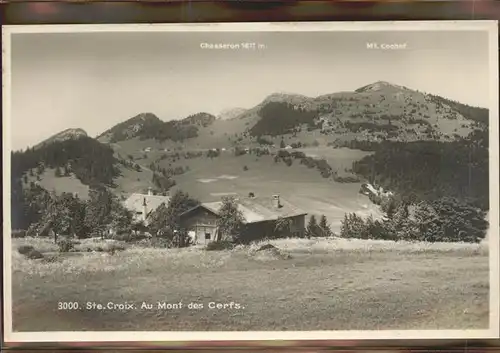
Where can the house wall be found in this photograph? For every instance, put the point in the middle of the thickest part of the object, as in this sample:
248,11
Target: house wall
263,230
203,223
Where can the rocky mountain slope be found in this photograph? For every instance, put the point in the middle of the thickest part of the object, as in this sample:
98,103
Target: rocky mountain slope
148,126
375,112
378,111
67,134
231,113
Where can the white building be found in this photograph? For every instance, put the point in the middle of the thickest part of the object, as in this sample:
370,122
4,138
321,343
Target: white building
142,205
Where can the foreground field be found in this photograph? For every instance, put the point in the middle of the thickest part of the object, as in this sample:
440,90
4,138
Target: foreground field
328,284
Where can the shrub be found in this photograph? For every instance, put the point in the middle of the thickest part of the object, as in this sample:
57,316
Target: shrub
113,248
347,179
245,168
156,242
25,249
182,240
18,233
298,155
219,245
263,141
238,151
34,254
65,245
283,154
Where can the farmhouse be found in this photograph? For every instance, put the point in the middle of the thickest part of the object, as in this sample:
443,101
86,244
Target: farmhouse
260,219
142,205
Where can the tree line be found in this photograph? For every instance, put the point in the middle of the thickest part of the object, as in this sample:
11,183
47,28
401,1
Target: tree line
442,191
431,169
90,161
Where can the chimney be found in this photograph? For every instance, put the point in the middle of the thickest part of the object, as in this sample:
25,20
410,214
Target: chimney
150,191
276,201
144,210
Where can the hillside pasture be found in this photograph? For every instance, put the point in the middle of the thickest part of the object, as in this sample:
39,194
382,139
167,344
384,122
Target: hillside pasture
59,185
208,178
321,284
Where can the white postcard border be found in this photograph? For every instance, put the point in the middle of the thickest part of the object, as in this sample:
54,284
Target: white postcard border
124,336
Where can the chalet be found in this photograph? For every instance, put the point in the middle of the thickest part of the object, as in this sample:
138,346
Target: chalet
260,218
142,205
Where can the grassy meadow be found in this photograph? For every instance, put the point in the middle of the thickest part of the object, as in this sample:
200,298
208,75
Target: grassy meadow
209,179
316,284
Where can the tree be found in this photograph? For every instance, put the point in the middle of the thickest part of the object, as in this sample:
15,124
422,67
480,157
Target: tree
231,220
324,226
312,227
283,226
121,218
56,217
179,203
76,209
158,221
98,213
67,170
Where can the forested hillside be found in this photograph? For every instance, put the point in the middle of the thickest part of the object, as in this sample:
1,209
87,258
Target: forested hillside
481,115
90,161
149,126
431,169
278,118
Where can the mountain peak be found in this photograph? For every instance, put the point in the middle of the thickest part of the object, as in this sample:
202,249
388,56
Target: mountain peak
232,113
68,134
379,86
145,117
293,98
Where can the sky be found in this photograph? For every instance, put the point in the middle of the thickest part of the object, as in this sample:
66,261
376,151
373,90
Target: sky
96,80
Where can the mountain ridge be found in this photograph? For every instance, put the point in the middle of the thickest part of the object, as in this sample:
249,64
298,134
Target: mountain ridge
70,133
380,109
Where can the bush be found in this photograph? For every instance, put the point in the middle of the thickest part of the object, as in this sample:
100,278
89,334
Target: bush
245,168
34,254
158,242
25,249
219,245
298,155
65,245
347,179
113,248
18,233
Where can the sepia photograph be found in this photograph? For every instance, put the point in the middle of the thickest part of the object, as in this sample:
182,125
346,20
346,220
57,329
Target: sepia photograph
251,181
